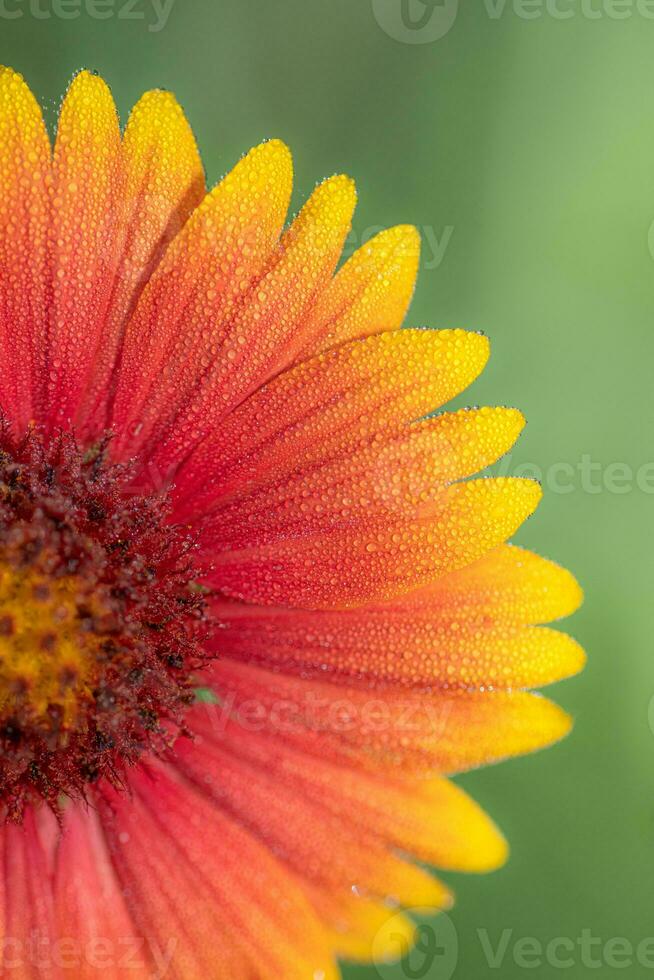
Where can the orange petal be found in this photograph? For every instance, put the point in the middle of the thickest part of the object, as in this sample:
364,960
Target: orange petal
508,585
90,905
379,646
25,286
164,183
329,404
371,293
360,561
361,929
397,474
26,901
274,323
432,820
181,320
198,879
315,843
87,239
408,732
267,335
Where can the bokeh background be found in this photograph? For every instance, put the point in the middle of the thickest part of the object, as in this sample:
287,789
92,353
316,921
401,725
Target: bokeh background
520,138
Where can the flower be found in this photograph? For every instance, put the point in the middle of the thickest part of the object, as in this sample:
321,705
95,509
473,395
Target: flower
252,614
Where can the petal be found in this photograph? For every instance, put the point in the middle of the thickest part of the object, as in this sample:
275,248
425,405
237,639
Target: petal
379,646
397,474
431,819
360,561
314,842
331,403
27,913
164,183
199,883
509,585
371,293
91,907
362,929
183,316
405,731
25,176
268,333
87,239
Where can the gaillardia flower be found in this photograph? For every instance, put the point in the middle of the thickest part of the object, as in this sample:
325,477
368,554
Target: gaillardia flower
252,613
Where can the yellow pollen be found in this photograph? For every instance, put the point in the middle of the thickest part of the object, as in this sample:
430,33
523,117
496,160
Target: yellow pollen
48,654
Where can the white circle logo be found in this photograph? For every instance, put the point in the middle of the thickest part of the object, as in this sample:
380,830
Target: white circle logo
415,21
433,955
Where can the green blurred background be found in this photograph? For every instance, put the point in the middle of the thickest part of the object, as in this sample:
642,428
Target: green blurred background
523,146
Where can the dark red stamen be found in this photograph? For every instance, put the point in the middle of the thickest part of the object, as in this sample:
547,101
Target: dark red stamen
133,617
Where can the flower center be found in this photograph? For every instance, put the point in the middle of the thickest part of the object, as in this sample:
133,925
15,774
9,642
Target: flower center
50,645
101,620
